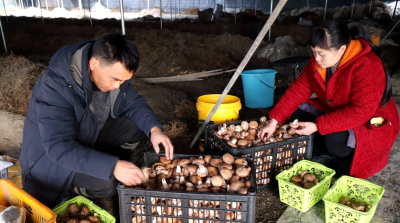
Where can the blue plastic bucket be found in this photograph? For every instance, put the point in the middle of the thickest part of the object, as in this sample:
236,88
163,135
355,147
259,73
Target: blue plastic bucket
258,87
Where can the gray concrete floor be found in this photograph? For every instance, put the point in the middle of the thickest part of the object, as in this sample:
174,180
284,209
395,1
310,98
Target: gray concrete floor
388,210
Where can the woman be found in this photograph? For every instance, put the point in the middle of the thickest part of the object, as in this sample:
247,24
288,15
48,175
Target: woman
349,78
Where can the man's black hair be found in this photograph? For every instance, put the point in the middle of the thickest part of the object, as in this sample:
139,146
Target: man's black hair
116,48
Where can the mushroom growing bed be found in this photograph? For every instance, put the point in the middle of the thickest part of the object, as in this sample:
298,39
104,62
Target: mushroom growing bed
269,159
158,204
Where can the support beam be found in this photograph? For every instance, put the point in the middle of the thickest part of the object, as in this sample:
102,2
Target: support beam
242,65
370,7
270,13
121,8
395,7
4,40
90,14
80,5
160,14
47,6
326,5
40,8
352,9
5,11
389,32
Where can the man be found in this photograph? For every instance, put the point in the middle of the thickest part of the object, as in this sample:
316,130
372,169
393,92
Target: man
82,110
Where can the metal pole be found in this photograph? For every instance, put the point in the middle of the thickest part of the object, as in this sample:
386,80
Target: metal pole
352,9
80,5
235,10
179,6
40,7
160,15
47,6
148,4
389,32
58,3
107,4
5,11
255,7
242,65
121,7
62,3
395,7
90,15
4,40
170,8
370,6
31,3
270,13
326,5
22,4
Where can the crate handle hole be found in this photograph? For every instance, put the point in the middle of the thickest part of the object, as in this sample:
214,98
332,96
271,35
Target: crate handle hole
27,207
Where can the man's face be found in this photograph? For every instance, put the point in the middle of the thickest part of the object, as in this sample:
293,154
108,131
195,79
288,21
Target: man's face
107,77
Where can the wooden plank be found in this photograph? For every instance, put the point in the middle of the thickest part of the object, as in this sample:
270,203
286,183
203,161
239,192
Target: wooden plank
186,77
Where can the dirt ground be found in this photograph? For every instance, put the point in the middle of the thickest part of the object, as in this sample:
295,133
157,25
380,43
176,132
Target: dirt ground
181,47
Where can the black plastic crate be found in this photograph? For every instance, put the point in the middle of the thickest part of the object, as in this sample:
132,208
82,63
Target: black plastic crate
185,207
269,160
288,70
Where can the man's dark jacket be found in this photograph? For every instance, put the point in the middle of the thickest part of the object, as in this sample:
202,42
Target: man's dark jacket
60,128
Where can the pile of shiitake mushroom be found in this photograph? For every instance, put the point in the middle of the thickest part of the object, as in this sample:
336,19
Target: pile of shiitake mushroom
208,174
245,135
79,214
304,179
355,205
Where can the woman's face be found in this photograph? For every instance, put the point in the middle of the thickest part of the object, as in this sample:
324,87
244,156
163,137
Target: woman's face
328,57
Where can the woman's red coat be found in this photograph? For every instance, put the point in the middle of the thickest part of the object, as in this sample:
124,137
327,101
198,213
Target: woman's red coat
351,98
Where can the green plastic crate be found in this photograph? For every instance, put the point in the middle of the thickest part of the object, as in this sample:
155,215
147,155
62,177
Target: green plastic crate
357,190
105,217
298,197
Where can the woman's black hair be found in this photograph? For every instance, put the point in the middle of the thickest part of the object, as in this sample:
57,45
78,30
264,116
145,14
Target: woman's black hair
334,34
114,48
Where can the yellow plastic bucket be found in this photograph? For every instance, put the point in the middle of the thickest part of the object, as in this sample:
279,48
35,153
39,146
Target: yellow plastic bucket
228,111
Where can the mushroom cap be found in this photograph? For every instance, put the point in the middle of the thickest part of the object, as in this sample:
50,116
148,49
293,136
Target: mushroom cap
253,124
308,185
198,161
202,171
217,181
243,190
240,162
207,158
228,158
226,174
164,160
215,162
310,177
235,186
297,179
252,132
242,172
176,161
183,162
191,168
242,142
225,165
212,170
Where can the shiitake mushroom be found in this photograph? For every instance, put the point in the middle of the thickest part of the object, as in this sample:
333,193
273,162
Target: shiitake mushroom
84,211
73,220
73,210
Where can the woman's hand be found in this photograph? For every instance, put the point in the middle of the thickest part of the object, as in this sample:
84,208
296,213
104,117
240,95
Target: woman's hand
269,129
306,128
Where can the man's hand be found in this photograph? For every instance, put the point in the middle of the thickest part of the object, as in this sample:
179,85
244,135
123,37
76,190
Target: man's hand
157,137
269,129
306,128
128,173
